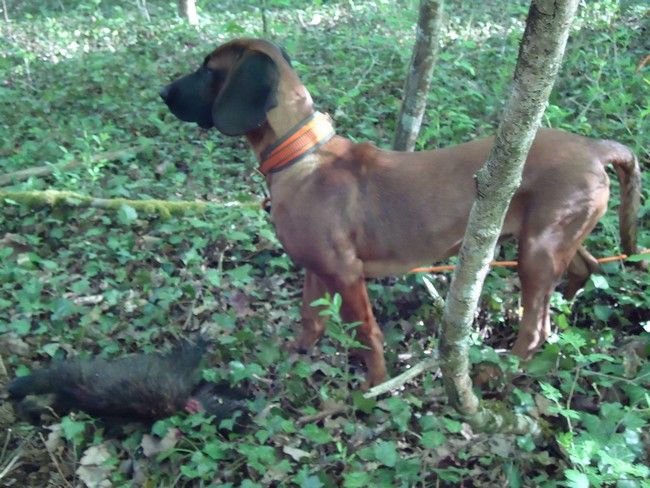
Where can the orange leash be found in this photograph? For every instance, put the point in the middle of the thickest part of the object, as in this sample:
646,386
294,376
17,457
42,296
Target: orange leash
513,264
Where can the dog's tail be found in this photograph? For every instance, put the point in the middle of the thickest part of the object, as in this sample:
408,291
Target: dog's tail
629,176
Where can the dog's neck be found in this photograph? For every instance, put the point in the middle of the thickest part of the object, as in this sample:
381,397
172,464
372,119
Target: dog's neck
305,137
294,104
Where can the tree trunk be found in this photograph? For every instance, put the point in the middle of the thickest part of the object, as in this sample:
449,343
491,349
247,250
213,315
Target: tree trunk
142,7
187,10
265,25
5,12
540,56
425,53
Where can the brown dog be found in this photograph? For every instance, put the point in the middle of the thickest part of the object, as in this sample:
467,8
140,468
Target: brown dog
348,211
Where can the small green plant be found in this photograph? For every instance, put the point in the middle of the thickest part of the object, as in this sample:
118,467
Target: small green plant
605,447
337,330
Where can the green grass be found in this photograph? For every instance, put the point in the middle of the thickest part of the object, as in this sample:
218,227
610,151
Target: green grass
79,78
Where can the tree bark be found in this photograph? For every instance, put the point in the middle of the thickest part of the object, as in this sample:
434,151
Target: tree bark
142,6
187,10
5,12
265,26
540,56
425,53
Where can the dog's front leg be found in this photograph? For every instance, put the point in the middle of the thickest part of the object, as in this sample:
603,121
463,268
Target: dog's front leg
312,323
356,308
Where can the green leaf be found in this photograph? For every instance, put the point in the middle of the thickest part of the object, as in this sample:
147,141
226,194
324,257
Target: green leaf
213,276
280,262
526,442
635,258
400,412
432,439
240,275
249,484
126,214
237,235
573,338
453,426
358,479
51,348
576,479
513,475
599,281
189,472
316,434
5,251
21,326
72,429
161,427
361,403
63,308
603,312
215,450
386,453
311,482
22,370
550,392
239,371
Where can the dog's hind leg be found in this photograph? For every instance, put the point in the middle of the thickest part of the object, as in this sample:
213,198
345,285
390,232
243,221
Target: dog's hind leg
547,244
580,269
539,270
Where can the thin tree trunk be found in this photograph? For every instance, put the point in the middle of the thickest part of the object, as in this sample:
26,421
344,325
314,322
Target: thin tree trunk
142,6
540,56
187,10
5,12
425,53
265,26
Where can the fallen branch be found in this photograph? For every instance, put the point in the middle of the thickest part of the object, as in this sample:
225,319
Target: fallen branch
326,412
401,379
164,208
430,363
23,174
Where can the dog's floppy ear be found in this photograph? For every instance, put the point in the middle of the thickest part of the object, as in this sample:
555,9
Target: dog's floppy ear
248,93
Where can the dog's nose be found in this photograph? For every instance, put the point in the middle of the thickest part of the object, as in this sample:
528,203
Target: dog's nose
164,92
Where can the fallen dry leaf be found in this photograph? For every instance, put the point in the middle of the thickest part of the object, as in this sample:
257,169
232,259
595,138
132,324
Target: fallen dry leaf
152,445
93,470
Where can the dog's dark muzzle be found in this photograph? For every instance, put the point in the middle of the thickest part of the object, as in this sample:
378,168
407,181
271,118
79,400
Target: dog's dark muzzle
190,98
165,93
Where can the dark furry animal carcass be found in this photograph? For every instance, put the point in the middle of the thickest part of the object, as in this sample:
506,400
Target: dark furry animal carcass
140,387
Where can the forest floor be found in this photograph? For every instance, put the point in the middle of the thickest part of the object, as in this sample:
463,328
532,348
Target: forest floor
80,79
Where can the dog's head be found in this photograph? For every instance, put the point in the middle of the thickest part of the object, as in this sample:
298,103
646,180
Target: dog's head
232,90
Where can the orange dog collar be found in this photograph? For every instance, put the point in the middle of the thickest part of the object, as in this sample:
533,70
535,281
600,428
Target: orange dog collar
304,138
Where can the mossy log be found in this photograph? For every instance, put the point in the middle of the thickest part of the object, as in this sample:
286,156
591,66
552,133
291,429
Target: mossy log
56,198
